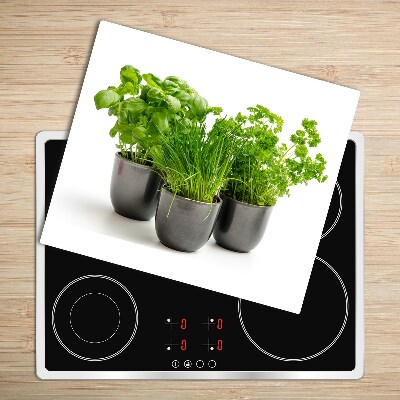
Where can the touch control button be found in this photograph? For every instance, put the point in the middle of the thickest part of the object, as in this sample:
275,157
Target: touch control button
199,363
212,364
187,364
175,364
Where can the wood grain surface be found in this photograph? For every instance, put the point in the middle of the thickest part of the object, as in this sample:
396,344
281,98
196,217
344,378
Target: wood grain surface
44,49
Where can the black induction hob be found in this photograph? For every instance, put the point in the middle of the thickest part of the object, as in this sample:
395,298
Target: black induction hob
97,320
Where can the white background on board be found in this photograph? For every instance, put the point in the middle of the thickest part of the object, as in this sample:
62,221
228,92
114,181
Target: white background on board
81,218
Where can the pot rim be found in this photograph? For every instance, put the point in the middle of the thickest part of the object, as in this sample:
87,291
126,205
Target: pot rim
244,204
218,198
119,155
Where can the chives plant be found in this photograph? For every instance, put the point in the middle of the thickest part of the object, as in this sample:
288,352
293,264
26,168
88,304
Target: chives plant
195,163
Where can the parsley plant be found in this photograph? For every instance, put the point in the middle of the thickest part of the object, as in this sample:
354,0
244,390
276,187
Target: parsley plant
264,169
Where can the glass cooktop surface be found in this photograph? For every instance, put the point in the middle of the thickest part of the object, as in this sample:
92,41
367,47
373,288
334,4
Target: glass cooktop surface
100,320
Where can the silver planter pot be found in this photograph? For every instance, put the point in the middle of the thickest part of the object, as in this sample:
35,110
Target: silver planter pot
185,225
240,226
134,190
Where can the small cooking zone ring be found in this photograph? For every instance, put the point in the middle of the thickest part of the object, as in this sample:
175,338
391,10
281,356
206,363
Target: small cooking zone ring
100,297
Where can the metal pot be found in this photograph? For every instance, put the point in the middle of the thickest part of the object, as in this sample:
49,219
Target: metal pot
134,190
184,224
240,226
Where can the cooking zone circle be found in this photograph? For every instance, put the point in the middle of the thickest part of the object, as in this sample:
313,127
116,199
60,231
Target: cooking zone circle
314,331
94,318
89,317
337,199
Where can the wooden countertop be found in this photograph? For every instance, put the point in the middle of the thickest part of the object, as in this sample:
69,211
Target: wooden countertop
44,48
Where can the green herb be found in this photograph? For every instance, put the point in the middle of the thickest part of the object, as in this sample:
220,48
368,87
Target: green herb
195,163
263,169
152,109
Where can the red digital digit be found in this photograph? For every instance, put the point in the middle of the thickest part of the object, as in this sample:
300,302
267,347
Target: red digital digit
219,323
219,344
183,324
183,344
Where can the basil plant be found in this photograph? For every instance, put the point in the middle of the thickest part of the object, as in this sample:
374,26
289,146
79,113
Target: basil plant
147,107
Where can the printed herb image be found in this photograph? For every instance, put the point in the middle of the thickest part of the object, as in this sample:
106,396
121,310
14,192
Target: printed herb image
198,181
263,171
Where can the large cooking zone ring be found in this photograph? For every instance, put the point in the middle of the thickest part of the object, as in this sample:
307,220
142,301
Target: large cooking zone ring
94,318
307,335
335,210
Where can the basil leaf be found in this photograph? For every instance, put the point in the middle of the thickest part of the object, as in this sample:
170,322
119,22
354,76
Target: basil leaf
128,88
183,97
116,90
149,111
125,134
155,96
144,91
114,130
114,109
180,82
170,87
198,106
152,80
159,121
105,98
130,74
133,105
123,117
183,124
173,104
139,133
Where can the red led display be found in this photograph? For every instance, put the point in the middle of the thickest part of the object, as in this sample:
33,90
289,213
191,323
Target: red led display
183,323
214,341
